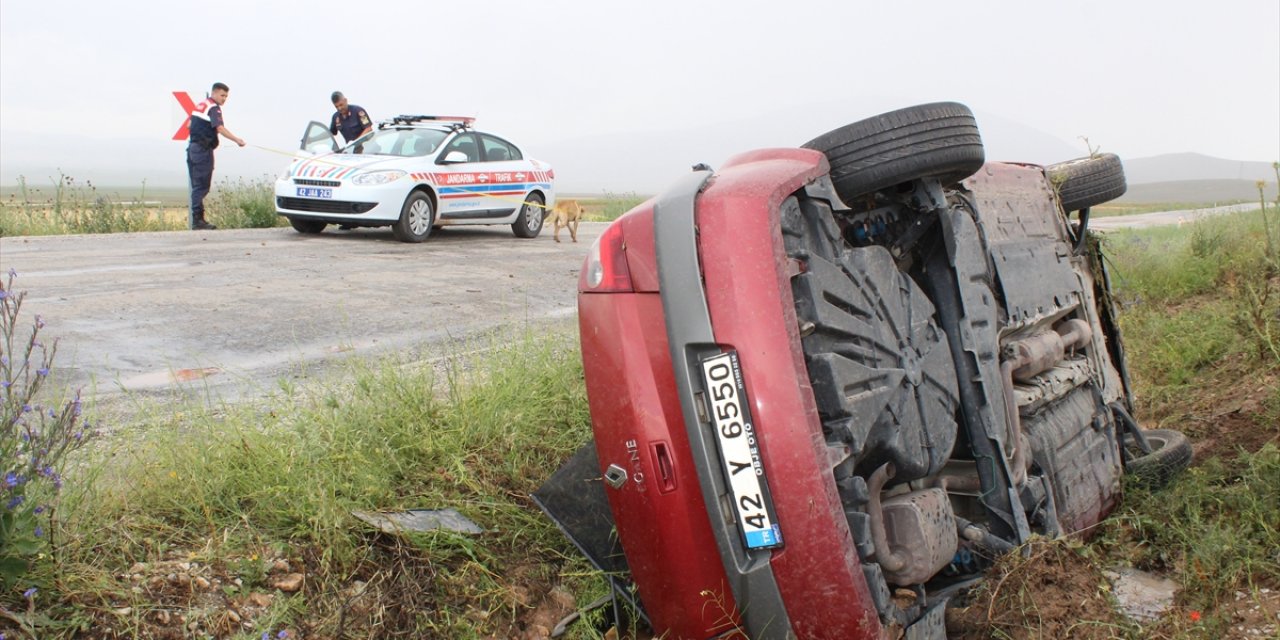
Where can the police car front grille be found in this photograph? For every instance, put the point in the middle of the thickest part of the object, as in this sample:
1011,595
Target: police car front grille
317,183
323,206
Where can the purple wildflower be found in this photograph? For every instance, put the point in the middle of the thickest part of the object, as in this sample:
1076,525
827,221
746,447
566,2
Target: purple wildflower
30,593
5,384
12,273
43,371
11,480
39,509
39,322
39,531
14,502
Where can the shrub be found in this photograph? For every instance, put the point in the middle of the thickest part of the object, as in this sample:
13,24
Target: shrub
35,438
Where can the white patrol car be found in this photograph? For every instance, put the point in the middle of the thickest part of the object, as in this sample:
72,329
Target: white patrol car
414,173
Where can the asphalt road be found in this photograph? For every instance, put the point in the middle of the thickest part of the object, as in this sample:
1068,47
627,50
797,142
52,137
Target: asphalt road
226,311
1165,218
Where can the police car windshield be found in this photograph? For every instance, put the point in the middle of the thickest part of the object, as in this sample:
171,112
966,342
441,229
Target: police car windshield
406,143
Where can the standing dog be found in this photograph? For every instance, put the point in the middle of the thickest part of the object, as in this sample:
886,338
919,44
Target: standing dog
567,214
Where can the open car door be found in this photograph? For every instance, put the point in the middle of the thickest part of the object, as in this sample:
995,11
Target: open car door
317,139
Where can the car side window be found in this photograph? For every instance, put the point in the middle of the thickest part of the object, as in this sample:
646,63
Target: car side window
465,143
499,150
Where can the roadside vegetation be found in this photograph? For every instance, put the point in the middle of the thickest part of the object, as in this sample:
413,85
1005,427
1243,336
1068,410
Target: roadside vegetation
194,519
71,206
1121,208
608,206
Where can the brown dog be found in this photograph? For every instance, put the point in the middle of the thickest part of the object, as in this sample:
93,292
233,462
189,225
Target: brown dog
567,214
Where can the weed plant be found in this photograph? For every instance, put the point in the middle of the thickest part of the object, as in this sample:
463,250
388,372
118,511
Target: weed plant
69,206
222,484
38,432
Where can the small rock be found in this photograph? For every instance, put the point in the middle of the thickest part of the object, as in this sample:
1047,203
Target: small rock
138,567
163,617
136,589
260,599
290,583
123,611
137,577
201,583
184,567
233,616
281,566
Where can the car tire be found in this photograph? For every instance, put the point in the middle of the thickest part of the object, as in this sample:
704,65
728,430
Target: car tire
309,227
529,223
938,140
1170,454
1087,182
416,217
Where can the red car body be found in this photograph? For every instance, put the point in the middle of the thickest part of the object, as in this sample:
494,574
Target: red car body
827,385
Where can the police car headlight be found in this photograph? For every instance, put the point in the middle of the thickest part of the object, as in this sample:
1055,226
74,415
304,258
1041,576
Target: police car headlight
377,177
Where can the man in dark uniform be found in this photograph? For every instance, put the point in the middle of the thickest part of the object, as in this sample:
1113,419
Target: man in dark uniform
349,119
206,126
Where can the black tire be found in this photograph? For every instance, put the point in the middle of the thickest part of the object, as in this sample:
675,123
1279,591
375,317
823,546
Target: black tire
309,227
938,140
1087,182
1170,454
529,223
416,217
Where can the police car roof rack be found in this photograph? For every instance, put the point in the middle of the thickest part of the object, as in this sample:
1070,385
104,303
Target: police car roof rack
457,122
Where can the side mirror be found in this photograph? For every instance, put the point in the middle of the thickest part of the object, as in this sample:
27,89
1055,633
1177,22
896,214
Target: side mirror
454,157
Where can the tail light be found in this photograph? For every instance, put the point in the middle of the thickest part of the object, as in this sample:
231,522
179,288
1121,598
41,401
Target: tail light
606,268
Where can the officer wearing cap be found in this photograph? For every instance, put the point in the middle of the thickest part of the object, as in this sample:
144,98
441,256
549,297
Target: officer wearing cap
351,120
206,125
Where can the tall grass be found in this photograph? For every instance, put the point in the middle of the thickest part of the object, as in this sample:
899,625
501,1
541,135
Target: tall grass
476,435
69,206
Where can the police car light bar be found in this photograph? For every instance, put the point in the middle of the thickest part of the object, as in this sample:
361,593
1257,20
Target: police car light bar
466,121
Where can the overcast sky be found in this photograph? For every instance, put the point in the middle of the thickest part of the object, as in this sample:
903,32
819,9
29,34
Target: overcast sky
87,85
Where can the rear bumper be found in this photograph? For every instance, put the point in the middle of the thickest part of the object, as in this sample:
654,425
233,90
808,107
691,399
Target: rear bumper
641,353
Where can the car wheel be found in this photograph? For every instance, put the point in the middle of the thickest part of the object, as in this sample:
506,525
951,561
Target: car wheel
309,227
938,140
529,224
1086,182
416,218
1170,454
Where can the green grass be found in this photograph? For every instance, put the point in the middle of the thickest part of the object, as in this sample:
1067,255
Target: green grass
68,206
609,206
229,485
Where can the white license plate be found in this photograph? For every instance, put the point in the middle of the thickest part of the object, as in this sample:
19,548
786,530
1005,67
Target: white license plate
314,192
740,451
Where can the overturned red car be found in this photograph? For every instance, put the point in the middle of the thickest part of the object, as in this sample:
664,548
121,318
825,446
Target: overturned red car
829,384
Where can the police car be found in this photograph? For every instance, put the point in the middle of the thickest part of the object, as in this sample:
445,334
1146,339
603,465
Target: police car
414,174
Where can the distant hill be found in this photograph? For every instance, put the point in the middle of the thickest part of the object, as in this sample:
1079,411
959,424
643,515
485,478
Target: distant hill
1205,191
1194,166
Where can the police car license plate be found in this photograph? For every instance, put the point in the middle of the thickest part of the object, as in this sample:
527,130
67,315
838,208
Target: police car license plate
740,451
314,192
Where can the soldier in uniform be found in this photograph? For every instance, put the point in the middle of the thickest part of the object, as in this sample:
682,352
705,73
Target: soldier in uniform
206,126
349,119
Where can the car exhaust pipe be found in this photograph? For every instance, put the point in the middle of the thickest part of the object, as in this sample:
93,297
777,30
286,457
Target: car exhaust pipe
889,562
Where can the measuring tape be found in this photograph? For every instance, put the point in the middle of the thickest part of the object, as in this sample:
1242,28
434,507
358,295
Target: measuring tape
321,160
